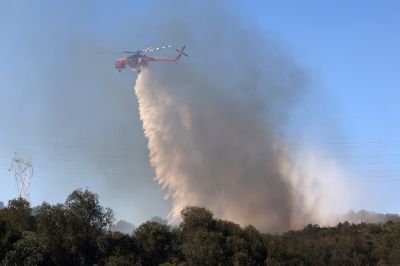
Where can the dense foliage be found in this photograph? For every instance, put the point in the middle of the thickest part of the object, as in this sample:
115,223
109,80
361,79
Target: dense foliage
78,233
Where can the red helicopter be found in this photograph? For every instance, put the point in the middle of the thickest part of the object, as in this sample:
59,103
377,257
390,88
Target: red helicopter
139,59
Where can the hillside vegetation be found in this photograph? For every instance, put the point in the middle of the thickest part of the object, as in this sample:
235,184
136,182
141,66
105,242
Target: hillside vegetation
77,232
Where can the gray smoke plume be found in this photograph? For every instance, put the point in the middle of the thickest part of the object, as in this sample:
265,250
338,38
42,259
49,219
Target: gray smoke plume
210,151
364,216
216,141
217,125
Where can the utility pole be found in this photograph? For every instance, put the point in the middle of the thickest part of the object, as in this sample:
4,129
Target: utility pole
23,171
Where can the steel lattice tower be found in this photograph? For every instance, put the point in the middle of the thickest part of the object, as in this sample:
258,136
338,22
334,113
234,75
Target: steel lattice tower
23,171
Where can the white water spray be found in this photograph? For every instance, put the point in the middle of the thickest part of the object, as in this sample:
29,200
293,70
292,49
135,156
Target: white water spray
213,152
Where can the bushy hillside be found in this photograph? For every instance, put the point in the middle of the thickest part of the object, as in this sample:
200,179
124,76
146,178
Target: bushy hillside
77,232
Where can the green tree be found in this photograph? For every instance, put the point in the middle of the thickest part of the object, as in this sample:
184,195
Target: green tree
72,230
154,242
53,229
257,245
7,238
120,261
118,247
19,216
196,218
202,247
234,246
201,243
87,220
28,251
388,244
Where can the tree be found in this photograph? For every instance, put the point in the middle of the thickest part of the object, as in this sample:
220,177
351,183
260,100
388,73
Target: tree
257,248
234,246
202,247
52,223
72,230
87,220
119,261
28,251
19,216
388,244
196,218
118,247
154,242
201,243
7,238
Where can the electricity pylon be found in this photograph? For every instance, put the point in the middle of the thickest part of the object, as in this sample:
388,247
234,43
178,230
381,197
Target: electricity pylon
23,171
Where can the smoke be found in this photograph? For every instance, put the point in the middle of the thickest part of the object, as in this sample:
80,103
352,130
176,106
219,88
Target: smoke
219,123
215,150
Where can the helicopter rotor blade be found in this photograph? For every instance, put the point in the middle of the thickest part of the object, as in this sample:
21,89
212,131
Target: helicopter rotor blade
152,49
144,51
132,52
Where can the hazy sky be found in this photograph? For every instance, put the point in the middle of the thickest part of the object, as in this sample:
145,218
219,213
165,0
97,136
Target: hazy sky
64,105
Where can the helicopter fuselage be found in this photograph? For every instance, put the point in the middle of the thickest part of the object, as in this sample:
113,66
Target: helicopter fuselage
138,60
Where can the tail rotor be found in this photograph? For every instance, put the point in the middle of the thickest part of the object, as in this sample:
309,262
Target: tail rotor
181,51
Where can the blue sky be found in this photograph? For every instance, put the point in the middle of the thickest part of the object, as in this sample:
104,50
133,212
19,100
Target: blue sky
57,83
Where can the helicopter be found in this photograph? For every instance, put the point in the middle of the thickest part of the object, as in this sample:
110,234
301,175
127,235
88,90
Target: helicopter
139,59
